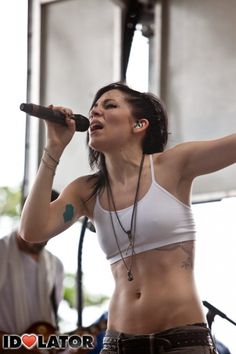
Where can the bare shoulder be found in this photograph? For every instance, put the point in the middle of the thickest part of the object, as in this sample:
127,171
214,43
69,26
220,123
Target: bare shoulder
80,193
173,157
169,167
174,162
82,187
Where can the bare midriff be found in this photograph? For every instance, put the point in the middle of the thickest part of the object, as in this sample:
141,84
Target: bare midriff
162,294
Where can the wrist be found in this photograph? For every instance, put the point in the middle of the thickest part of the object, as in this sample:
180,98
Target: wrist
54,151
50,159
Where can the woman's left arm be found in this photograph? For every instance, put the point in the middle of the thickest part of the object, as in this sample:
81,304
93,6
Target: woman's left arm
202,157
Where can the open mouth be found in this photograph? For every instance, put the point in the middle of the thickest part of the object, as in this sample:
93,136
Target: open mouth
96,126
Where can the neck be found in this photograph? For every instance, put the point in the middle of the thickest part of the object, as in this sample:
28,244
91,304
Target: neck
122,165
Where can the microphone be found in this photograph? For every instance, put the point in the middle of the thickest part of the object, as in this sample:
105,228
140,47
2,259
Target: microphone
81,122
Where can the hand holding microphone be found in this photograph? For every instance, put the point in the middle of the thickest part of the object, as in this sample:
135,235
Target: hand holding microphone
55,116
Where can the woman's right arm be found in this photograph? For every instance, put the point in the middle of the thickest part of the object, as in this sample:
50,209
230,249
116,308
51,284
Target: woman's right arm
41,219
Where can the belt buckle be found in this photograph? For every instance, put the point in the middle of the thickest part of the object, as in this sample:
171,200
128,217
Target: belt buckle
110,343
158,343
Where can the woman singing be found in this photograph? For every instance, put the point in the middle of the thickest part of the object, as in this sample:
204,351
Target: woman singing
139,199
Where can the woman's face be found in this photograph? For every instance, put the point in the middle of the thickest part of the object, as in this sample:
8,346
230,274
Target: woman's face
111,122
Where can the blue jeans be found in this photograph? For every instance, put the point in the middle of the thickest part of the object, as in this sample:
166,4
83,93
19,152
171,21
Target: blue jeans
189,339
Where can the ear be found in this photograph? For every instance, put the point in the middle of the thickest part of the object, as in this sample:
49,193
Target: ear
140,125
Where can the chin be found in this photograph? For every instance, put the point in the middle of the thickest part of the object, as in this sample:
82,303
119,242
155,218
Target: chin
105,145
96,145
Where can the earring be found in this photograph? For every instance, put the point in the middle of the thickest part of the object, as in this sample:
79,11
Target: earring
138,125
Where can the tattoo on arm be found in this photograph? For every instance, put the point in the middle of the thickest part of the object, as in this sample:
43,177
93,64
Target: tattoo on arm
68,213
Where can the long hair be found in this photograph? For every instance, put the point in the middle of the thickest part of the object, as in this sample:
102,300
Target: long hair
143,105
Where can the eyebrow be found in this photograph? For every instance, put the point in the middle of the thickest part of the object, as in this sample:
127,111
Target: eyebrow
105,101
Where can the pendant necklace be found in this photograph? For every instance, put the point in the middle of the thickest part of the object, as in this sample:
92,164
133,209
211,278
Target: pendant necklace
131,232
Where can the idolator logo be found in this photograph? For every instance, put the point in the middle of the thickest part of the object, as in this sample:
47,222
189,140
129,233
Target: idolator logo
29,341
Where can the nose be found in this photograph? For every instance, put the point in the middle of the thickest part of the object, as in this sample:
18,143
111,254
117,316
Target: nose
95,112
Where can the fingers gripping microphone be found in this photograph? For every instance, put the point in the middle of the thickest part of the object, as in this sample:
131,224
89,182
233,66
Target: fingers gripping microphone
81,122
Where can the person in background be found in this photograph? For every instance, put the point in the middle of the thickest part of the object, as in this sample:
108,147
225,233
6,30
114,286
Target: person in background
31,284
139,200
101,324
222,349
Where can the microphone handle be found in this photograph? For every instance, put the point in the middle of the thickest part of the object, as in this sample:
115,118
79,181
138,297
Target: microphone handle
216,311
81,122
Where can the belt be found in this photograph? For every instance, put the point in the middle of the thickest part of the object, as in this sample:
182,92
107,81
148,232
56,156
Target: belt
156,343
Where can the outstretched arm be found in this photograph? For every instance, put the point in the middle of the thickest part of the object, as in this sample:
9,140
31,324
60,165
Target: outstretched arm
203,157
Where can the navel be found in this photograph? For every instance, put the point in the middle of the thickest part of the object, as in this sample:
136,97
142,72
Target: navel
138,294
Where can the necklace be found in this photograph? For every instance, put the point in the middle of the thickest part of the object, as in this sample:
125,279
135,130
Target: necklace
131,232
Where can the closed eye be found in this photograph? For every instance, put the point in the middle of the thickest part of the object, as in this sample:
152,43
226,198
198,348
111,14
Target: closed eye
106,104
110,105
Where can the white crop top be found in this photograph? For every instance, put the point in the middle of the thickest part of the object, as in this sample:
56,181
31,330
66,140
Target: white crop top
161,220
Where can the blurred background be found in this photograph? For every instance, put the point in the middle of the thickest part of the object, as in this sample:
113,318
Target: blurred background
61,52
